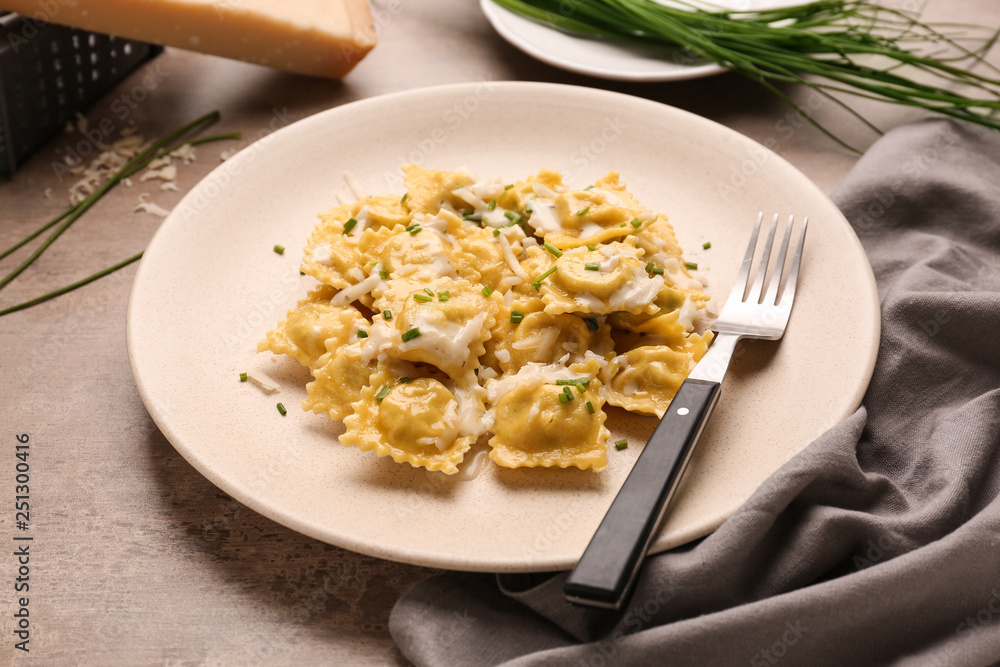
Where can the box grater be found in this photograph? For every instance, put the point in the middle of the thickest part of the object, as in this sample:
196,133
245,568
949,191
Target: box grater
48,73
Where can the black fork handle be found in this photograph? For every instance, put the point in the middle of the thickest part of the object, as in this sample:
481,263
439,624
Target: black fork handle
606,572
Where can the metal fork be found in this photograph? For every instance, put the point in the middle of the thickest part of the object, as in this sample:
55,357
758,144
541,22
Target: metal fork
606,572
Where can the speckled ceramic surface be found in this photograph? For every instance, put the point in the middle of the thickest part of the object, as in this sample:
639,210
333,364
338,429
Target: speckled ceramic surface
210,285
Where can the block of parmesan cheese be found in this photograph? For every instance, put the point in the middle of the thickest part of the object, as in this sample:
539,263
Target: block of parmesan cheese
314,37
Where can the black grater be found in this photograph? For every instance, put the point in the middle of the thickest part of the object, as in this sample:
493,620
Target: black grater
48,73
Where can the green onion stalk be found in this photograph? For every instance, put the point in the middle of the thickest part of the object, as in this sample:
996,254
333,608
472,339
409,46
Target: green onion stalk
62,222
832,46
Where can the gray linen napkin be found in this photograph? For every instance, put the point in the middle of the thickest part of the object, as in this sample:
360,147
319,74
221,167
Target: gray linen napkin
880,542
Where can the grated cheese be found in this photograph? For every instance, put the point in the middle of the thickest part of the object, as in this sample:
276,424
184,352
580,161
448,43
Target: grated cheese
152,209
262,381
167,173
512,262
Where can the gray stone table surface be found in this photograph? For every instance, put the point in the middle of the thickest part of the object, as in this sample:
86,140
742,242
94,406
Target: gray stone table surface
138,559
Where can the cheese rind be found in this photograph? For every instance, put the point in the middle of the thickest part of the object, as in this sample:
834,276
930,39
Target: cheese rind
325,38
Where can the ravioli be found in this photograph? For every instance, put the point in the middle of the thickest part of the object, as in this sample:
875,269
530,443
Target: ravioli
541,337
414,420
645,379
304,332
444,323
332,255
512,311
339,377
611,278
548,415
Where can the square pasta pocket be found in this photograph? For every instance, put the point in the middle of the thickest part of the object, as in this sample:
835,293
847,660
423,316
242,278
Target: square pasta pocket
510,313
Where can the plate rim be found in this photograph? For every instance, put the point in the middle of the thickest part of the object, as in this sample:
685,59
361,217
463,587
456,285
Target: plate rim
492,11
408,554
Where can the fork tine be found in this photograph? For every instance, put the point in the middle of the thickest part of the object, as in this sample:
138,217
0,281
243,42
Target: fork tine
758,283
771,298
743,277
793,274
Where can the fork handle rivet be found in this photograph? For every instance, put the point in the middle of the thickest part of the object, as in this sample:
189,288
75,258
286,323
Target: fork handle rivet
682,411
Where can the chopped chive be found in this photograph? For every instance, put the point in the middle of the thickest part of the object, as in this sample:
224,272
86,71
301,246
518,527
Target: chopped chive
508,187
591,248
68,217
691,265
637,223
280,249
412,225
537,282
589,187
516,316
658,271
349,225
592,324
706,245
579,383
243,377
592,266
492,205
404,198
444,295
428,291
623,224
423,298
410,334
474,217
582,212
529,207
382,393
621,444
563,398
513,217
282,410
552,249
568,393
404,380
383,274
416,230
590,407
496,232
362,333
466,211
487,291
650,266
386,315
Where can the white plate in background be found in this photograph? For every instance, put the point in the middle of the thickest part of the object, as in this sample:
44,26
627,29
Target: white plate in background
607,59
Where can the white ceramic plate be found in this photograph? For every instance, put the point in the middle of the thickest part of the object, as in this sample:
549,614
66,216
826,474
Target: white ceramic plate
606,59
210,285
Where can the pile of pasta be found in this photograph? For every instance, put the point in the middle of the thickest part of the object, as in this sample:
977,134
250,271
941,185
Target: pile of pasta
465,308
